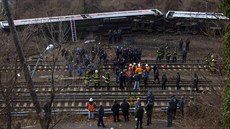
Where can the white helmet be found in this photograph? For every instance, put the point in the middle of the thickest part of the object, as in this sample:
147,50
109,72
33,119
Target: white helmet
130,64
213,60
96,71
134,63
139,65
146,65
91,99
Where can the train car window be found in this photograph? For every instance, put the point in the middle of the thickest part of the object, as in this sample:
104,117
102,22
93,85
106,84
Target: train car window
84,16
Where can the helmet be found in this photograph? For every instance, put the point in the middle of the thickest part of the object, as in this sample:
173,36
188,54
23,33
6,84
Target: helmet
130,64
213,60
139,65
134,63
96,71
146,65
138,98
91,99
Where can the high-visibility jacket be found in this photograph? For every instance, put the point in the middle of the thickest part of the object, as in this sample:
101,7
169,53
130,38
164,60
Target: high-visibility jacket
86,79
96,78
91,106
107,80
139,70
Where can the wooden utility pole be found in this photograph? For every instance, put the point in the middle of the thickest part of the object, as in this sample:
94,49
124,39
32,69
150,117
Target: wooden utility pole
23,62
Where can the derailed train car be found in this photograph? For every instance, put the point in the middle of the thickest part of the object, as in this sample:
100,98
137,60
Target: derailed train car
195,22
150,20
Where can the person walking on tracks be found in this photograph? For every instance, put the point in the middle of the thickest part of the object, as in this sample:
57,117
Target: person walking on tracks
139,116
164,81
156,76
125,110
184,55
91,107
137,79
174,102
178,80
180,44
170,114
122,78
195,82
149,111
101,113
115,109
187,42
97,78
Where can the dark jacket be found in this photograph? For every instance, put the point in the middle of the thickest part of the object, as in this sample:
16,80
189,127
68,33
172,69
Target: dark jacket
137,77
149,108
115,108
101,112
125,106
164,78
140,112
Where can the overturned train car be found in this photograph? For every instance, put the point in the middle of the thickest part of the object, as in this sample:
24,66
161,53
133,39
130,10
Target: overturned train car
149,20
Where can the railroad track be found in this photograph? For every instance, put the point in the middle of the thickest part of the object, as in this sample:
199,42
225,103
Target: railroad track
74,97
170,67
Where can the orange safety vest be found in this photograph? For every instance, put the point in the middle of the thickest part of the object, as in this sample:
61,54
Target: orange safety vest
139,70
91,107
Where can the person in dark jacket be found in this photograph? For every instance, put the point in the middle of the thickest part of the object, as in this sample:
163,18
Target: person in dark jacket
100,116
164,80
156,76
195,82
174,102
115,109
139,116
149,96
122,77
178,80
170,114
181,105
187,44
149,111
47,108
125,110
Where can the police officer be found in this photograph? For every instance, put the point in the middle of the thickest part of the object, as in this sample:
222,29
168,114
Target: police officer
96,79
170,114
195,82
174,101
164,80
178,80
180,44
184,55
139,116
125,110
149,111
101,113
181,105
115,109
156,76
122,78
187,44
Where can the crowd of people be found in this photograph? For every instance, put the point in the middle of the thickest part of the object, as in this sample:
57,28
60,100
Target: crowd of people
138,111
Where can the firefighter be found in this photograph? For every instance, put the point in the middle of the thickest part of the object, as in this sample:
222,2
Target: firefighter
107,79
97,78
212,66
159,56
168,55
174,56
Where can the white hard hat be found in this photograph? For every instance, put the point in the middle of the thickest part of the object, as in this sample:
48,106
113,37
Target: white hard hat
139,65
146,65
91,99
96,71
213,60
134,63
130,64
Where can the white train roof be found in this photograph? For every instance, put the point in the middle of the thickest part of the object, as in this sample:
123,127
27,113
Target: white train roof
83,16
201,15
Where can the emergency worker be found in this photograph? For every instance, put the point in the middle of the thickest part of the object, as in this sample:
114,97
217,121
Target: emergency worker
168,55
107,79
164,81
97,78
213,65
125,110
195,82
86,80
174,56
170,114
149,111
91,107
178,80
115,109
